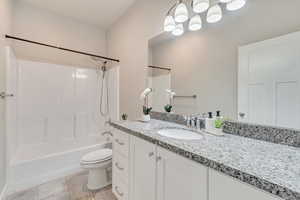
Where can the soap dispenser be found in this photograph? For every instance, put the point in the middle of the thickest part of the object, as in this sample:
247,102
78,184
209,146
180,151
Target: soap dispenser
218,115
213,125
209,123
218,126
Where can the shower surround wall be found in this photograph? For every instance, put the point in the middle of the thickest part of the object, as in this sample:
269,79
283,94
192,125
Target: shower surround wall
54,118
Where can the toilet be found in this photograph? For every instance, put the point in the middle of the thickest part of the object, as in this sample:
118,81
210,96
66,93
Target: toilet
97,163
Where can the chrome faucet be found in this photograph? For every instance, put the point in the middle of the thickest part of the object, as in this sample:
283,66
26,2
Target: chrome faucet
195,121
188,120
191,121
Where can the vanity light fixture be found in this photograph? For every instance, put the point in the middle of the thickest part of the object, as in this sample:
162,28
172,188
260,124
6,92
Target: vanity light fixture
195,23
178,14
235,5
179,30
169,24
214,14
200,6
181,13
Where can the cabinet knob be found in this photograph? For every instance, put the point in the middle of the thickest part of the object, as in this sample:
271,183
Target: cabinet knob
151,154
158,158
242,115
119,142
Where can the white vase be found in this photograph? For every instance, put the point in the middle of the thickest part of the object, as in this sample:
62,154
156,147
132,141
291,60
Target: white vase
219,131
146,118
215,131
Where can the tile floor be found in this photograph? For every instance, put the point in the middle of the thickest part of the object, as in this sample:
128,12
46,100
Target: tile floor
68,188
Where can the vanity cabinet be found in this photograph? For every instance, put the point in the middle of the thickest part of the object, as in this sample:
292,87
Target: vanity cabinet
179,178
223,187
158,174
144,171
120,165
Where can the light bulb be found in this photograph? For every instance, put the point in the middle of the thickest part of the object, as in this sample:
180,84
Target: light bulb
235,5
214,14
178,30
169,24
181,13
200,6
195,23
225,1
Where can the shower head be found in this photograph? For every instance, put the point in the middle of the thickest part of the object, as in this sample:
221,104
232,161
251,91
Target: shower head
102,67
99,60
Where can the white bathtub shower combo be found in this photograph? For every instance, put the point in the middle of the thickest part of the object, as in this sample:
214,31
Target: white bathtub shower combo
54,119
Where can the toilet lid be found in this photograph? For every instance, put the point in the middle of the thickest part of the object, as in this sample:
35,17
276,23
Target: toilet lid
95,156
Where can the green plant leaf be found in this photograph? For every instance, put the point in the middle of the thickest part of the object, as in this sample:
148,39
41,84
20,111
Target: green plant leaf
146,110
168,108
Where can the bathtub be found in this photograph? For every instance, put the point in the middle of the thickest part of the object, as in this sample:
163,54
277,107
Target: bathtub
39,164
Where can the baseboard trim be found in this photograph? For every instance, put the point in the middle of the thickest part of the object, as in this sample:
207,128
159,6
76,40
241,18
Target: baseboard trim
3,192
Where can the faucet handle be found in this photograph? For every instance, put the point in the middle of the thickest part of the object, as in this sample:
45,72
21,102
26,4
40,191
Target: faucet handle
193,121
188,120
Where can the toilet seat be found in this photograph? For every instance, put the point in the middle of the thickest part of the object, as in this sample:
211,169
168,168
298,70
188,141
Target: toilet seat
97,157
94,162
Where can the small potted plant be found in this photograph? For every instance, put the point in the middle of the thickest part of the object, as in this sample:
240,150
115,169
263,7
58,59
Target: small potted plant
170,96
168,108
124,116
146,112
146,108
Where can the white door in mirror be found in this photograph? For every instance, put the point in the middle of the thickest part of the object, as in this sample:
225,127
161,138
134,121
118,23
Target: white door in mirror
269,82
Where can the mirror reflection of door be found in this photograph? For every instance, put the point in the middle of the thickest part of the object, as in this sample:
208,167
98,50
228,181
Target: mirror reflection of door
269,82
159,79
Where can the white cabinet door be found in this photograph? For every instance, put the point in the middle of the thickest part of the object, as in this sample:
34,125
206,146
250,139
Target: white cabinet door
223,187
269,82
179,178
142,170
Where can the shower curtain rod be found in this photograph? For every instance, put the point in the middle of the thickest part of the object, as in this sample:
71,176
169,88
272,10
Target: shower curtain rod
61,48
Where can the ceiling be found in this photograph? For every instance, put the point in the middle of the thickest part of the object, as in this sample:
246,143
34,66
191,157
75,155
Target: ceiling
102,13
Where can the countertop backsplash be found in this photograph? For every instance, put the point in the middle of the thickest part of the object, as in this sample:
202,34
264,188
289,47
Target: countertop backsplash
276,135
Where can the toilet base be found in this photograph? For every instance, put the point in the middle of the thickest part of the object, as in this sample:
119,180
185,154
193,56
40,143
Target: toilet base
98,178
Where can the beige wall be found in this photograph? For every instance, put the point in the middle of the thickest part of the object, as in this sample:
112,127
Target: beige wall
128,41
47,27
215,48
5,24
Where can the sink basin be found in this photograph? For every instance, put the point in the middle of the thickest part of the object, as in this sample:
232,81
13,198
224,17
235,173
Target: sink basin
180,134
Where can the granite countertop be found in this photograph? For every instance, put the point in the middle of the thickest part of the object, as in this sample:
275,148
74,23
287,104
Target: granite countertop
272,167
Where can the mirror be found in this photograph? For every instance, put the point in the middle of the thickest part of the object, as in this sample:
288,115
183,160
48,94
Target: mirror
247,66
